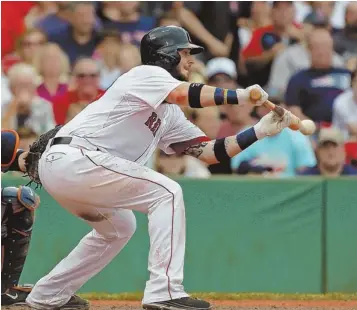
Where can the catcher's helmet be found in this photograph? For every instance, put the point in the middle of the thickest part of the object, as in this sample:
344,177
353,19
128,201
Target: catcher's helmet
160,46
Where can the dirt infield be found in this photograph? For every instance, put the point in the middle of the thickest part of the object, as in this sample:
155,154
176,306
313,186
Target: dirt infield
243,304
232,305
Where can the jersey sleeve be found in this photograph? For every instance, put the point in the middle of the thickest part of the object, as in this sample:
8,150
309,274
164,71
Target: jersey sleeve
152,84
181,130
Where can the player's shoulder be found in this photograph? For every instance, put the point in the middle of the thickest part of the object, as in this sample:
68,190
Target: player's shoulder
147,70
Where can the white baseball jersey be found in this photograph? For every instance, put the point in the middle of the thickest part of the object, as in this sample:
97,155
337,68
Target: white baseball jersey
131,119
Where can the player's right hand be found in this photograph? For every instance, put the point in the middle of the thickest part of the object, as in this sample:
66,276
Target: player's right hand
272,124
244,95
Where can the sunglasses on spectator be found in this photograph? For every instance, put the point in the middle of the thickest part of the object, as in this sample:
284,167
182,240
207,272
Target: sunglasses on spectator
84,75
32,43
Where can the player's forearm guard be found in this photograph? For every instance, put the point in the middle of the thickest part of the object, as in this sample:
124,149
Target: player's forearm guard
221,96
17,206
246,138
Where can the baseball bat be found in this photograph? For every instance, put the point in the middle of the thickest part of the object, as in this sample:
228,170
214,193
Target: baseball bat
255,95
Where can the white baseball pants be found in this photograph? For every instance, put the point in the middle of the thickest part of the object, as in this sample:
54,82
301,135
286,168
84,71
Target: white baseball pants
103,190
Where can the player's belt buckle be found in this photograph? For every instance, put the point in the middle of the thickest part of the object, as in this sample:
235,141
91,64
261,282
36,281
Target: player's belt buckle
61,140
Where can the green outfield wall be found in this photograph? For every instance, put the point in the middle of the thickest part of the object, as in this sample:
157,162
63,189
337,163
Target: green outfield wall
243,235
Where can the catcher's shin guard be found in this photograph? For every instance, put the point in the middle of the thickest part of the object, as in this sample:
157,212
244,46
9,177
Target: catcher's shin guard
18,205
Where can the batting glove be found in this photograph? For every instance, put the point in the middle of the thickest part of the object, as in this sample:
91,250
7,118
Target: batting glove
244,95
272,124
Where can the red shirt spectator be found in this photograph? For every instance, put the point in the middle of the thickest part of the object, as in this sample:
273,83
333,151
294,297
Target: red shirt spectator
85,90
62,103
12,23
267,41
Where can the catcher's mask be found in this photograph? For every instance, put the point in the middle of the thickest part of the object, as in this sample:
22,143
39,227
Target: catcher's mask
160,47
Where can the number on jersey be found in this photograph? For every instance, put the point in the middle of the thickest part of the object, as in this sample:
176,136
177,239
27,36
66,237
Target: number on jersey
153,123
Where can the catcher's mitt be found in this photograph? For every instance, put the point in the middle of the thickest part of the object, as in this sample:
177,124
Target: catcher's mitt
36,150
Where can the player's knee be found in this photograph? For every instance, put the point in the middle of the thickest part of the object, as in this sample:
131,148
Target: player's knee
126,225
130,226
176,192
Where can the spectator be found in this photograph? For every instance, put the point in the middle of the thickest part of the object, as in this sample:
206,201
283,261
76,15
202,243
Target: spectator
322,11
129,57
282,155
221,72
311,92
26,109
27,137
28,46
194,26
345,111
12,24
80,39
346,41
168,19
260,12
178,164
125,17
108,55
267,42
5,90
56,22
39,11
331,155
85,90
53,66
295,58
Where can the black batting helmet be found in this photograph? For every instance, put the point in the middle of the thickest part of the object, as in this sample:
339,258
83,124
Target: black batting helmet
160,46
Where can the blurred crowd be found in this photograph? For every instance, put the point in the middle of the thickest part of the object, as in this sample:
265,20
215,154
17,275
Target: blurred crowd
59,56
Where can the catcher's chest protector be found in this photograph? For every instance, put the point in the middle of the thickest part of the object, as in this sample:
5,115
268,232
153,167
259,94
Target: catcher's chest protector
17,210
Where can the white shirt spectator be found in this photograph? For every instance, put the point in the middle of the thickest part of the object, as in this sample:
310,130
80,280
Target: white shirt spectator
41,118
344,112
6,95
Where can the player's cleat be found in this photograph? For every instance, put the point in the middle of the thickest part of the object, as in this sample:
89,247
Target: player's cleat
15,296
75,302
187,303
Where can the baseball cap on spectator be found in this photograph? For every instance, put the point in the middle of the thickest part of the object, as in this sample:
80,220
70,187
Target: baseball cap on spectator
221,65
330,134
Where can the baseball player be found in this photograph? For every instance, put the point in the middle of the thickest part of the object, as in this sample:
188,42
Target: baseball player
17,217
94,168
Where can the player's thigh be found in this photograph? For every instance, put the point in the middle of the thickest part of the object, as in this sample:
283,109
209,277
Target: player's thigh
130,185
112,223
104,181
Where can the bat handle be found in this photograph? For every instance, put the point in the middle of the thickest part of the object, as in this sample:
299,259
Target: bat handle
255,95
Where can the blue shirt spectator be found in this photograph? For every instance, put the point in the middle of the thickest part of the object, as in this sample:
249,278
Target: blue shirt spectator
281,155
125,17
314,91
74,49
311,92
52,25
79,39
331,155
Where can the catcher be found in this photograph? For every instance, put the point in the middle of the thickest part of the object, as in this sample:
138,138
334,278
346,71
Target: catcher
17,217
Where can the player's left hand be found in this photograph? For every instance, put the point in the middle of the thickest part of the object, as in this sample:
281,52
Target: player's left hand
244,95
272,124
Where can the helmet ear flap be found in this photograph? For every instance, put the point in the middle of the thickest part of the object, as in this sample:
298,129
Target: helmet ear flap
168,62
